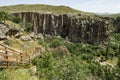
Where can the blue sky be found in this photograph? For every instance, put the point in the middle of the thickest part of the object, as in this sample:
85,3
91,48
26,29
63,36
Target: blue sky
97,6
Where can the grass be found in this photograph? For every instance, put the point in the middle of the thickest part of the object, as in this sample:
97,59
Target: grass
113,61
17,74
40,8
21,45
12,23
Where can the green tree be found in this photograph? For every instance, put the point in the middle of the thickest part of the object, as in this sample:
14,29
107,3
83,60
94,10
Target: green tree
4,16
28,27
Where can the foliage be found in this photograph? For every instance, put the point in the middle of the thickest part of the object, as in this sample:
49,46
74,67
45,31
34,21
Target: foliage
28,27
118,64
51,41
56,41
4,16
65,68
104,72
7,42
42,42
15,74
16,19
84,54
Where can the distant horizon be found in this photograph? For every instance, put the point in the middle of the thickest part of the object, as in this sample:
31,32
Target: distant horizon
93,6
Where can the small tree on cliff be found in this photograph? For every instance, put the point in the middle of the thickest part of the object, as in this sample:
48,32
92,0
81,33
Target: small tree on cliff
4,16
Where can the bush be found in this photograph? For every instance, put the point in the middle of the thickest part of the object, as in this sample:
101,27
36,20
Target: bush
6,42
42,42
28,27
15,74
4,16
17,19
56,42
66,68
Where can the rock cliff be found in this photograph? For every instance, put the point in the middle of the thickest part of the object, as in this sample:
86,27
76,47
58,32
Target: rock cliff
75,28
6,30
116,23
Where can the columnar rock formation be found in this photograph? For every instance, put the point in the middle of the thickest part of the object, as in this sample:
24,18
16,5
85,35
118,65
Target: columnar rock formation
76,28
117,24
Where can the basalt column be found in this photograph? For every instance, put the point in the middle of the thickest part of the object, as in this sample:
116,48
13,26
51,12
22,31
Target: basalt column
75,28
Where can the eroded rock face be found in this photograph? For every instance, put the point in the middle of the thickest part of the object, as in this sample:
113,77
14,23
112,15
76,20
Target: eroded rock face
75,28
117,24
6,30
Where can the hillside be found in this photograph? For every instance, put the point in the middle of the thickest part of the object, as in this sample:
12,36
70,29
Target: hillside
73,47
40,8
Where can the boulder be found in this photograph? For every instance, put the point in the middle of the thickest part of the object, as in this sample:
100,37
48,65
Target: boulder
61,49
3,30
6,30
26,38
12,31
39,36
19,34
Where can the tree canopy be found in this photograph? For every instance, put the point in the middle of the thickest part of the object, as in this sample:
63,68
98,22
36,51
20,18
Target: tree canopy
4,16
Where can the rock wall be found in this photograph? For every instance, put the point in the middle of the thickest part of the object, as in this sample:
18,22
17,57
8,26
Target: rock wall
116,24
7,30
76,28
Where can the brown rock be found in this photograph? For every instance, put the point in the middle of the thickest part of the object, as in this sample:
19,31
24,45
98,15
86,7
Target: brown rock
61,49
77,28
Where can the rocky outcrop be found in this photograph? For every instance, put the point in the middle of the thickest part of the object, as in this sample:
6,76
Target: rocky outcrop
6,30
60,49
76,28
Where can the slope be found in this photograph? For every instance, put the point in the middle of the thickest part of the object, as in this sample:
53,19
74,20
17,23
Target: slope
40,8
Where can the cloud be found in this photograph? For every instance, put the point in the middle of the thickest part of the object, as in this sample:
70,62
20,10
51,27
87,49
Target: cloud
100,6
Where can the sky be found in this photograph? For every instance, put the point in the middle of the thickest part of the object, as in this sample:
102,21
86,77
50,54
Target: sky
96,6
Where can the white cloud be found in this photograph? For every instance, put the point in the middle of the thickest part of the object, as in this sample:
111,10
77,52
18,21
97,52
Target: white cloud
100,6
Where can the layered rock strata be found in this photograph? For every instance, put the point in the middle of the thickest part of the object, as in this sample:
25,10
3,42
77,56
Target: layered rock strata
76,28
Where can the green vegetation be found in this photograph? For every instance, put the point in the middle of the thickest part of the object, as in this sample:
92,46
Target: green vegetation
51,42
8,43
85,61
40,8
4,16
64,68
16,74
16,19
28,27
82,63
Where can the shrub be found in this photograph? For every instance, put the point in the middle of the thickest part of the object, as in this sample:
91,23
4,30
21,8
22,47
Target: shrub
42,42
4,16
54,42
17,19
15,74
66,68
28,27
6,42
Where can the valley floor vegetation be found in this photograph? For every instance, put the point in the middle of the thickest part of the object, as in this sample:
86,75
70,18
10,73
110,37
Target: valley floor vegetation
85,61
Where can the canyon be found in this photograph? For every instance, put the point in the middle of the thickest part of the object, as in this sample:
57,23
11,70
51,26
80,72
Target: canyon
73,27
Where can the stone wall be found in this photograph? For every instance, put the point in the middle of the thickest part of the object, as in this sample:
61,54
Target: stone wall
76,28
